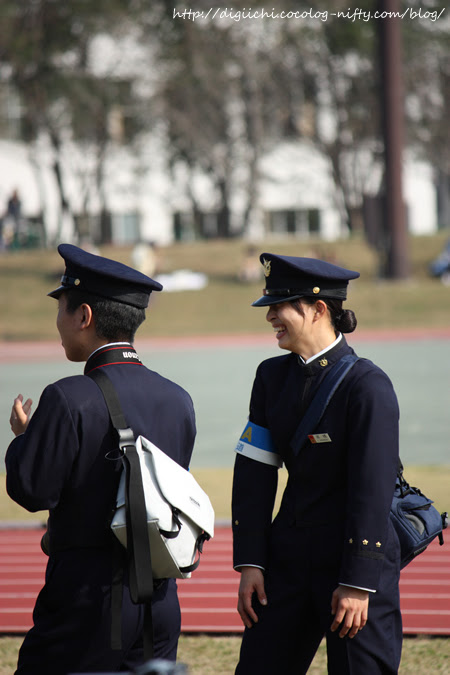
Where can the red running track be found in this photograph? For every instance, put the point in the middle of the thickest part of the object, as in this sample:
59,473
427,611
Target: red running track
208,600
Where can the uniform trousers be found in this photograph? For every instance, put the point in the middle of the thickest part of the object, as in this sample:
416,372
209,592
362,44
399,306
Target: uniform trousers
72,620
302,574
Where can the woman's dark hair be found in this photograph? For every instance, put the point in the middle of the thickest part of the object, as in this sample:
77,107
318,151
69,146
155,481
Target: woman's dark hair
114,321
342,320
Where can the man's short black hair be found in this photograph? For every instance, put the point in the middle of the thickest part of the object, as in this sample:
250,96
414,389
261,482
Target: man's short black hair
114,321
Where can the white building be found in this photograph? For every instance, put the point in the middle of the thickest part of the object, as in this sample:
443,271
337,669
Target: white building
296,195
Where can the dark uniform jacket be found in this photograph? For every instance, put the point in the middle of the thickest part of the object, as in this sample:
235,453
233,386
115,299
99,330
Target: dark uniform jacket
344,486
65,462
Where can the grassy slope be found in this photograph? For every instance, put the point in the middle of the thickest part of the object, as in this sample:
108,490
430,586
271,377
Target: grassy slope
224,305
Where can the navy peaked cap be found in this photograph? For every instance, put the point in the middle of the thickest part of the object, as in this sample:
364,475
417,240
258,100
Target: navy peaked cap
289,278
104,277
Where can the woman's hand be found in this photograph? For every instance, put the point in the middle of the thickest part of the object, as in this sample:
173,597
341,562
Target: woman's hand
252,580
20,415
350,607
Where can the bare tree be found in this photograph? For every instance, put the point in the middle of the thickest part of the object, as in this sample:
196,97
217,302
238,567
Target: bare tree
44,45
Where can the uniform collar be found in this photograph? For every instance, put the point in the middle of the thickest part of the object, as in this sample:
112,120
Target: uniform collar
110,344
324,351
326,358
114,353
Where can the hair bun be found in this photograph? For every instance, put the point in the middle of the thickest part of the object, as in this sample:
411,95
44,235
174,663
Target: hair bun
346,322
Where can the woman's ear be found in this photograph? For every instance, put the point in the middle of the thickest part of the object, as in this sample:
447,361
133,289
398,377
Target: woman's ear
320,309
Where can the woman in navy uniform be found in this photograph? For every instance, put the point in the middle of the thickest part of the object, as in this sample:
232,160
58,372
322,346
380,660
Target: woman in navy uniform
60,460
328,565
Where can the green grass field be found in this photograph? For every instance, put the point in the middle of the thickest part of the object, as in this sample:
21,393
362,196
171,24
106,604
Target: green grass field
432,480
218,655
224,307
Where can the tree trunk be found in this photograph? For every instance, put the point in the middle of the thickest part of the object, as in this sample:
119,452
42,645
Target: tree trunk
223,216
57,170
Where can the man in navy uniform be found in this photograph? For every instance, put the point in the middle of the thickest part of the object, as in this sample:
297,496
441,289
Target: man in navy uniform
329,564
61,460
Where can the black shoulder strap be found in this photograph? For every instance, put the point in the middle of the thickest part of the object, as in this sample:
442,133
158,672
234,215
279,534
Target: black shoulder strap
318,405
138,545
111,398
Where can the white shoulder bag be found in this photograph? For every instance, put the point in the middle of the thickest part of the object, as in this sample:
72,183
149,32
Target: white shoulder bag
168,513
179,513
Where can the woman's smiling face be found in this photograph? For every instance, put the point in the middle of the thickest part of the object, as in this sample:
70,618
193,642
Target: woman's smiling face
293,329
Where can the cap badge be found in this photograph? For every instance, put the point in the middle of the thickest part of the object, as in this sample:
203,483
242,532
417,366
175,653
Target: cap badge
316,290
266,265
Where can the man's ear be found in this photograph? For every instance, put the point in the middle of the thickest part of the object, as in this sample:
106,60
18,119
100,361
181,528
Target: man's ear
86,317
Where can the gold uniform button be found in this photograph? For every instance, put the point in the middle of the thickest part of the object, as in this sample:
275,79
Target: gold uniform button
323,362
236,522
350,541
316,290
77,282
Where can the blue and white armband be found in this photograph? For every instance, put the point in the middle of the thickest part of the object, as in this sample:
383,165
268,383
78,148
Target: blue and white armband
256,443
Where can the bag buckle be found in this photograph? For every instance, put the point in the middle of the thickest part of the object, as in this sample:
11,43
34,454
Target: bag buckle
126,439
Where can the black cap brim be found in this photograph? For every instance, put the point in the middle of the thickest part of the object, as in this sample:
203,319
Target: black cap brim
267,300
57,292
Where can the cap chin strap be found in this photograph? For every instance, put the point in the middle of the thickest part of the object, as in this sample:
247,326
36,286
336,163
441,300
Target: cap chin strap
69,281
336,293
133,298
